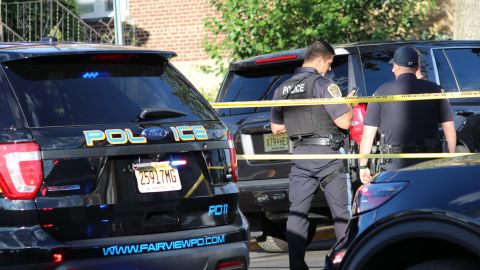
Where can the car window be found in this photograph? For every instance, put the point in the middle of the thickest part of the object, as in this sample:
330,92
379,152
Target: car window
445,75
339,72
376,69
274,86
251,85
465,63
7,120
260,84
57,92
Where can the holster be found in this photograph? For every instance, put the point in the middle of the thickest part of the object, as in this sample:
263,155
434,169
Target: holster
336,141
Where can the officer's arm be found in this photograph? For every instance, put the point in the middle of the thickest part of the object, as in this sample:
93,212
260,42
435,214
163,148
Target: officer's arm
277,129
276,121
344,120
450,135
368,136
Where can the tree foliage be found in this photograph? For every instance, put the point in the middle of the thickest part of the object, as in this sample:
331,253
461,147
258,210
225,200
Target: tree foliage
252,27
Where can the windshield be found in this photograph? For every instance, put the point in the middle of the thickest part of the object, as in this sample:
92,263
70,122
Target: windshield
87,89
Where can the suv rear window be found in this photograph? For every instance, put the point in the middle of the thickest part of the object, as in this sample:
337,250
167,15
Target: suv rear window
252,85
377,69
101,89
260,84
7,120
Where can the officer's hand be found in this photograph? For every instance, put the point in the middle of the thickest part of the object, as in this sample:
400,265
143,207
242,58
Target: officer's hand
365,176
353,93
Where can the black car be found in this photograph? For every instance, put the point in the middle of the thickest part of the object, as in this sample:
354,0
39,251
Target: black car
423,217
110,159
363,66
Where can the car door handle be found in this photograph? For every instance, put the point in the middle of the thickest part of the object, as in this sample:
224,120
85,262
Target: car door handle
463,113
267,127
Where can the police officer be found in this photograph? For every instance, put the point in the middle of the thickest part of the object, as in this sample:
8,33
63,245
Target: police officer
313,130
418,73
408,126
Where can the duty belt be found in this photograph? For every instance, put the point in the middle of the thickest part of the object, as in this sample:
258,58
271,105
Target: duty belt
312,141
432,147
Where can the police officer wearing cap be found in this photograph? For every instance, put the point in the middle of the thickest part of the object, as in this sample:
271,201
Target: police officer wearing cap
408,126
313,130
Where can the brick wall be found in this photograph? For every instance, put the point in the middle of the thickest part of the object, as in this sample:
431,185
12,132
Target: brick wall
175,25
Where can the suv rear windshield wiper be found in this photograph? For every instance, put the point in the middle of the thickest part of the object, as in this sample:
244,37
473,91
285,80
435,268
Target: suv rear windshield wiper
159,113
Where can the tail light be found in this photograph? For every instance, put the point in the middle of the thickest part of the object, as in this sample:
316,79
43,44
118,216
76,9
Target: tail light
233,157
371,196
57,257
113,57
276,59
20,170
339,257
230,264
356,127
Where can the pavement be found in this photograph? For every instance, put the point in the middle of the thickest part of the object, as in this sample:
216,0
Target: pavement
315,255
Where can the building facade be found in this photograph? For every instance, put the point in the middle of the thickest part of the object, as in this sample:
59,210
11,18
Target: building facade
175,25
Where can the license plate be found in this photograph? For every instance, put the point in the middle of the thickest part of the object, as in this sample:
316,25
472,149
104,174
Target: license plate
156,177
274,143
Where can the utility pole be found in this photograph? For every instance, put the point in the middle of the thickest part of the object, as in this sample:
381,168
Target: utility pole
1,23
467,20
118,22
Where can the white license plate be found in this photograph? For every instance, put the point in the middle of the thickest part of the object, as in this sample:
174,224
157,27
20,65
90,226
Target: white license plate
156,177
274,143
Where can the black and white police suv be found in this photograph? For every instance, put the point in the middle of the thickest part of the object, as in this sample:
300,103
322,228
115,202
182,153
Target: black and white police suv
110,159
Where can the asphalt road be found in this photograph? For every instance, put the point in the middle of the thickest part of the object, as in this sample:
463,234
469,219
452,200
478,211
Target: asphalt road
315,255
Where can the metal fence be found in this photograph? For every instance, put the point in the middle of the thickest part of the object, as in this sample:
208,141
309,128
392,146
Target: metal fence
31,20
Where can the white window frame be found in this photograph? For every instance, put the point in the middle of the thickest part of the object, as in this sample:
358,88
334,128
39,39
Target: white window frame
99,10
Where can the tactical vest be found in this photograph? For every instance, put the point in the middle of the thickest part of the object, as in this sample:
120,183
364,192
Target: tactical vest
305,120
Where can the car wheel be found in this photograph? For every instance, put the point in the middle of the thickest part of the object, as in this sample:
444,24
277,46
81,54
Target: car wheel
274,238
461,149
273,244
447,264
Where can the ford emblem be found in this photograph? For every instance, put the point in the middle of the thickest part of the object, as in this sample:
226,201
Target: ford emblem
154,133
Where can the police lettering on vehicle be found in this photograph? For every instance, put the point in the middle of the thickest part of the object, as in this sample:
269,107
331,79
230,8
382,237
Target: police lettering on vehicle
189,133
113,136
124,136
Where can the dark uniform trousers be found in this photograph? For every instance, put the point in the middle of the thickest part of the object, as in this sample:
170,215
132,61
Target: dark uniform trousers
305,178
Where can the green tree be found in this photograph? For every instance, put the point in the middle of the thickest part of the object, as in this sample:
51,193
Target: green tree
251,27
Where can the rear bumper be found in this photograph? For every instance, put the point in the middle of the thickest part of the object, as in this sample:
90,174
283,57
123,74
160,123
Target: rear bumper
191,249
198,258
270,197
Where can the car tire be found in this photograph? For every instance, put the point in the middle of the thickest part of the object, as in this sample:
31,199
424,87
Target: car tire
273,244
274,237
461,149
446,264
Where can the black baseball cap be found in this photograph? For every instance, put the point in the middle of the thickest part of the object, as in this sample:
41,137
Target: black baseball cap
405,57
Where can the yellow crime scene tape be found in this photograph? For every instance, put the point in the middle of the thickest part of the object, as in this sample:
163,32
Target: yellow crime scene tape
347,156
345,100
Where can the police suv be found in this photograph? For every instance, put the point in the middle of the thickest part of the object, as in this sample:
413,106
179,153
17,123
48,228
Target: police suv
362,66
110,159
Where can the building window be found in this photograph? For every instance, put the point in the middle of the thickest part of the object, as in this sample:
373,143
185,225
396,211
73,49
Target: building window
109,5
96,9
